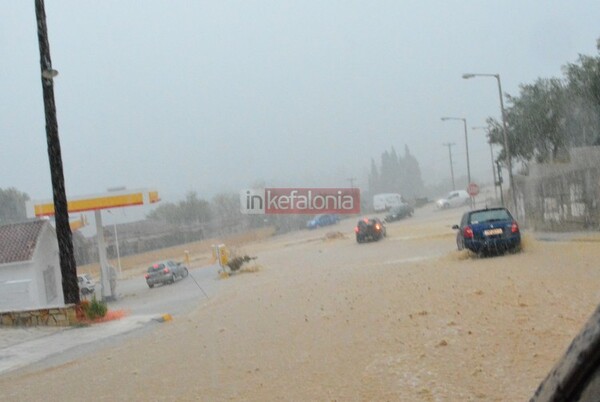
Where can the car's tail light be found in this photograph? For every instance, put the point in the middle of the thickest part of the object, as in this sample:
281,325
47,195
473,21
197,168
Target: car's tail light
468,232
147,276
514,228
166,270
356,229
377,226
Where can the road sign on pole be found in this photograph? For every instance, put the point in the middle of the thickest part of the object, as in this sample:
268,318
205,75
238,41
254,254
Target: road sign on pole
473,189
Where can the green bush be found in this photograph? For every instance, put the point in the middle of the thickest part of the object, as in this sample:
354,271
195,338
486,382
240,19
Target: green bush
96,309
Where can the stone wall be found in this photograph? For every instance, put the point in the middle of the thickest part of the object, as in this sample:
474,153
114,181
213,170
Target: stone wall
51,317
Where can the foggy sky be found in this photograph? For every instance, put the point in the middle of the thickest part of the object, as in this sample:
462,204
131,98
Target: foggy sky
214,96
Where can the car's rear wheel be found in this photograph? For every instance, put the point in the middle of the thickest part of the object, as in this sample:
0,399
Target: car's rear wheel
150,286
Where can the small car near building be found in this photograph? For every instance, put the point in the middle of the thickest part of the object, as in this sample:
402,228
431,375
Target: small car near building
369,229
487,231
87,285
166,271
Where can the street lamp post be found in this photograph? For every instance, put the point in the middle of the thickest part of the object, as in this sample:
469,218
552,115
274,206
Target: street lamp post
449,145
504,132
491,155
466,143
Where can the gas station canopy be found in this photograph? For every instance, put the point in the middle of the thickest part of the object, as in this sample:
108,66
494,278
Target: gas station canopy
96,203
113,199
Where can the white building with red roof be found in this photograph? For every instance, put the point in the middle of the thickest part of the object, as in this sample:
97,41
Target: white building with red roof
30,276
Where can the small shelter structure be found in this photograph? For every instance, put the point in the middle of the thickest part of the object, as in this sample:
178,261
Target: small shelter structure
30,276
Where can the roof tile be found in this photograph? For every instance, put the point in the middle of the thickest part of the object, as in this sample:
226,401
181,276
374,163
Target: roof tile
18,240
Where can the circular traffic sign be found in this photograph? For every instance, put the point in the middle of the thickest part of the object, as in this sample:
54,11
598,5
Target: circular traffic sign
473,189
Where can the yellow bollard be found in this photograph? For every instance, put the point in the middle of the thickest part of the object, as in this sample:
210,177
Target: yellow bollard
223,255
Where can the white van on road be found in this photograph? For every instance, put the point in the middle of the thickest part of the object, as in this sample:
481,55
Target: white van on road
386,201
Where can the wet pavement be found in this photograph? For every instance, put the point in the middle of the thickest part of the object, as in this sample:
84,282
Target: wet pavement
22,346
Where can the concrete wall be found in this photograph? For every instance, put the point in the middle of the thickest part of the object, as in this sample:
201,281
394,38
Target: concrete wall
562,196
48,277
33,284
17,288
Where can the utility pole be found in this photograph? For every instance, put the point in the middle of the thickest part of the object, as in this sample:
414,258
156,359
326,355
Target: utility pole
351,180
68,267
511,184
492,157
500,182
466,144
511,181
493,170
449,145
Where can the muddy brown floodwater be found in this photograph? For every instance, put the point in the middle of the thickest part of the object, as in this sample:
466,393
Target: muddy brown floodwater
323,318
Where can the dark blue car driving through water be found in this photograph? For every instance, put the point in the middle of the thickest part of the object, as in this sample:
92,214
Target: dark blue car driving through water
490,230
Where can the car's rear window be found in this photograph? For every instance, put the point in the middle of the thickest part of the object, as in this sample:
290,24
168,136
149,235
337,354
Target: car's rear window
156,267
490,215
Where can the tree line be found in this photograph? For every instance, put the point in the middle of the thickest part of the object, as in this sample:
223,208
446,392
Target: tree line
12,206
220,216
396,174
552,115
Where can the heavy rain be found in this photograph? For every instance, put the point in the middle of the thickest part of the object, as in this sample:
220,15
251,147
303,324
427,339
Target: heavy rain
299,201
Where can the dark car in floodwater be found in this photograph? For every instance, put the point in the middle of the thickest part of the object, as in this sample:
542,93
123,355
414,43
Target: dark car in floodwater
401,211
166,271
369,229
490,230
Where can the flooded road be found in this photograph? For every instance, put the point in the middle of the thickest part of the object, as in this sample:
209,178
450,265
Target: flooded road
324,318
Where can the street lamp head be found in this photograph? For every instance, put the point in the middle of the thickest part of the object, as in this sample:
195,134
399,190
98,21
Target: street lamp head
453,118
49,74
467,76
